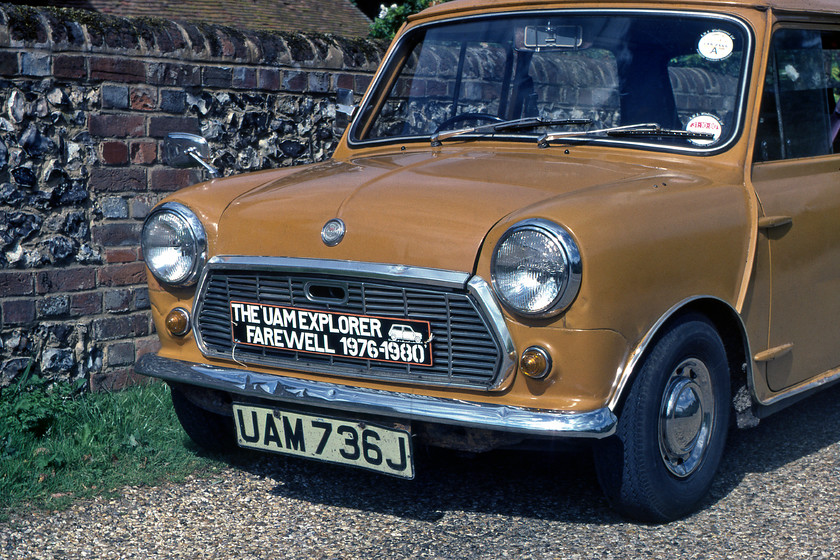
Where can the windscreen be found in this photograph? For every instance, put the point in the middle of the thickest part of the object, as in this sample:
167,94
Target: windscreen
611,69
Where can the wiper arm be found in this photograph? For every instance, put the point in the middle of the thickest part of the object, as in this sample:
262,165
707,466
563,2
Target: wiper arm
642,129
551,137
534,122
515,124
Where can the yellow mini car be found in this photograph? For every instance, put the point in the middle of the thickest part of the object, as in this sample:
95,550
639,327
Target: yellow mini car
609,221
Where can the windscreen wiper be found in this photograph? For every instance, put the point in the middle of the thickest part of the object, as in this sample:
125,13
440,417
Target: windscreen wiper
642,129
515,124
664,132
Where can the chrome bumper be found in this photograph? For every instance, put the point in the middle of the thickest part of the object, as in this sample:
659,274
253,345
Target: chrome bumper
593,424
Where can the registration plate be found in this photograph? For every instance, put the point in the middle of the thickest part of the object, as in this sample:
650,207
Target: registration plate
347,442
331,333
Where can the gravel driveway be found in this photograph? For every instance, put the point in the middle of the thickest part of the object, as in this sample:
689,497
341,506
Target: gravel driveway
776,498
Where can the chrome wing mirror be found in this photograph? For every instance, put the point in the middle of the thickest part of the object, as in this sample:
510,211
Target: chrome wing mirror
181,149
345,107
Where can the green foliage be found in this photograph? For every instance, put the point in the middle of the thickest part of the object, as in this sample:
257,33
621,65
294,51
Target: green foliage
391,18
31,406
57,444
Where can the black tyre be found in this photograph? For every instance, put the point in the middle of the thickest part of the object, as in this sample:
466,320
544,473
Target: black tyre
211,431
672,429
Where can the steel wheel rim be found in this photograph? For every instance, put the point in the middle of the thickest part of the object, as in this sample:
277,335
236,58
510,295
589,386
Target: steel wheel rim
686,417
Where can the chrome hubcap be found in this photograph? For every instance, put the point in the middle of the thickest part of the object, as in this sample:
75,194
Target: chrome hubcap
686,417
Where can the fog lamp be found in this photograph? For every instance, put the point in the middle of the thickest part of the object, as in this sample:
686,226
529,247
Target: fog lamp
178,321
535,362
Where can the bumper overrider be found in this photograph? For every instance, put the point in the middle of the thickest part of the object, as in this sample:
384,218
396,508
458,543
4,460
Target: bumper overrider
598,423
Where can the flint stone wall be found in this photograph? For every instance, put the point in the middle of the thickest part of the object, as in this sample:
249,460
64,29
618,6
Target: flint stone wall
85,101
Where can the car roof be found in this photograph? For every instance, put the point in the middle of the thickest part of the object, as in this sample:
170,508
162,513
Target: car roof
812,6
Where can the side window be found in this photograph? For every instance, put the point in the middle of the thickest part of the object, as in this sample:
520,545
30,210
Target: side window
797,117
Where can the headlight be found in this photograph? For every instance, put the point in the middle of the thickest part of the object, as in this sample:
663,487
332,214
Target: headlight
174,244
536,268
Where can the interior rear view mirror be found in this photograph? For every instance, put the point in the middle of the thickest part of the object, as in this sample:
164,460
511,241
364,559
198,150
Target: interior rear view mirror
540,37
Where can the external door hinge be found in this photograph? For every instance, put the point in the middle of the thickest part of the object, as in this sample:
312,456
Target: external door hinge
768,222
773,353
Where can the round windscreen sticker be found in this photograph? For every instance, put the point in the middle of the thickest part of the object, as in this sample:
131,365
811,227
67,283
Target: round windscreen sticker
715,45
708,124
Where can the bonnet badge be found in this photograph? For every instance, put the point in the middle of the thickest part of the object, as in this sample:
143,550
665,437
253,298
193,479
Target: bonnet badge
333,232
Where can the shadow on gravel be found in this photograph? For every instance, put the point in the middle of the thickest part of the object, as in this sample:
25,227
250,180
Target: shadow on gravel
550,486
791,434
557,486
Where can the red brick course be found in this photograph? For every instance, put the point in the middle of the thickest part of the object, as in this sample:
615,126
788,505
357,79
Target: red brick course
114,153
117,126
143,152
17,311
130,274
117,234
122,255
86,304
143,98
114,69
65,280
16,283
104,179
70,66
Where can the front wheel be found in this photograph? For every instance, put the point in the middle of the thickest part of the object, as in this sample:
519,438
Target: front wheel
672,430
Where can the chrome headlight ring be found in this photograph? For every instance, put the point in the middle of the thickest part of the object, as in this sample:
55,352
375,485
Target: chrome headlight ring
174,244
536,268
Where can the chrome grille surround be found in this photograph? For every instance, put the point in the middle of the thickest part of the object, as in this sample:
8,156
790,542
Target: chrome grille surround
472,346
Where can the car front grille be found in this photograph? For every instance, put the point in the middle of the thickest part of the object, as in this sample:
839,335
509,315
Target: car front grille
467,348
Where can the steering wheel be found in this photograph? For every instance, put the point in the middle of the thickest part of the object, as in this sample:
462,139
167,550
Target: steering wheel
466,117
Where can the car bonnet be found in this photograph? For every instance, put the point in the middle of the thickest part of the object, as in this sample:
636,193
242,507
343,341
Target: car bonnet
421,209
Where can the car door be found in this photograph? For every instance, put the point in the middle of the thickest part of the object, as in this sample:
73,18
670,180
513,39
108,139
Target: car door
796,174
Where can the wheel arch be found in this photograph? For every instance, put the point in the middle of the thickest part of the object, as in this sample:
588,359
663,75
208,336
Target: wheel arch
723,317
